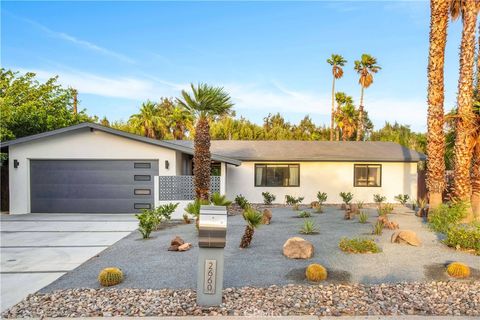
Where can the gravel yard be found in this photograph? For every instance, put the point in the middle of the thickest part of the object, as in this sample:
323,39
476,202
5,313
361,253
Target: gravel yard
432,298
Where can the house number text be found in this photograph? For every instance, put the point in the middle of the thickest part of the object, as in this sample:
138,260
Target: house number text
210,276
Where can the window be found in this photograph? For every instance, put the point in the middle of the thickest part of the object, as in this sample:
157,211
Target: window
142,192
277,175
139,177
142,165
142,206
367,175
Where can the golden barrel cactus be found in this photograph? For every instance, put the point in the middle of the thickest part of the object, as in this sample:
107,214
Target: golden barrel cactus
458,270
110,277
316,272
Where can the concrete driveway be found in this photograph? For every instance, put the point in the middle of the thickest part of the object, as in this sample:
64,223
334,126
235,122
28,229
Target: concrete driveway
37,249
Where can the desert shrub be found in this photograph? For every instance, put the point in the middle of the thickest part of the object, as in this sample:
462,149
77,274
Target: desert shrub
304,214
363,217
458,270
465,236
292,201
379,199
268,197
164,212
242,202
220,200
402,198
321,197
378,228
358,245
360,204
385,209
147,222
347,197
110,277
446,215
308,227
316,272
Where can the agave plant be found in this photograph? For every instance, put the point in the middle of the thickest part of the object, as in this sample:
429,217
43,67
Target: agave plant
308,227
363,217
253,218
219,200
378,228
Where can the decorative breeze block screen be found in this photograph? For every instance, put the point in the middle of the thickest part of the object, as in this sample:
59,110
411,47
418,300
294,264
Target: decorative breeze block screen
177,188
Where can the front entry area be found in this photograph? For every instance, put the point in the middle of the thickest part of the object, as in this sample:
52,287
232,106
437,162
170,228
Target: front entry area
92,186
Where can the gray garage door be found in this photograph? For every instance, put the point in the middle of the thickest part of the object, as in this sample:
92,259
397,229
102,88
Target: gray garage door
92,186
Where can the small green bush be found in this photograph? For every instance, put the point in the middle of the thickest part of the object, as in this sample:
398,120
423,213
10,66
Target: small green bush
347,197
363,217
268,198
402,198
164,212
378,228
465,236
446,215
358,245
308,227
385,209
147,222
304,214
220,200
242,202
292,201
321,197
378,198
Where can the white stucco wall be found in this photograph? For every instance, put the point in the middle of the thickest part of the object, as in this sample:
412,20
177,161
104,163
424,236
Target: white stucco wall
80,144
329,177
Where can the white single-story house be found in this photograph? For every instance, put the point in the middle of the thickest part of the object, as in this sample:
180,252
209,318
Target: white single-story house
89,168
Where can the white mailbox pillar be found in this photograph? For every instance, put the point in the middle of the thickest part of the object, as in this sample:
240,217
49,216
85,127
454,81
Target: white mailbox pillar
212,234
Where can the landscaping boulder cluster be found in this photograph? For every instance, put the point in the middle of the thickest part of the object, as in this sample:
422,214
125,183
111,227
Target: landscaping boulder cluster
177,244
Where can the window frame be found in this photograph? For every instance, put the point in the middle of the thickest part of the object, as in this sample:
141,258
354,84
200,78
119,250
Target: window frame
378,165
274,164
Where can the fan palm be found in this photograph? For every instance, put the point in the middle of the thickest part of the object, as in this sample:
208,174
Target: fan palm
181,122
207,103
365,67
337,62
435,119
465,121
346,116
253,218
147,120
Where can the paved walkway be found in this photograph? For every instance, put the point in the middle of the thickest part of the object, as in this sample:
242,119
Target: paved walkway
37,249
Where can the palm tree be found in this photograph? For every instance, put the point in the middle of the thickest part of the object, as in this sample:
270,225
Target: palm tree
337,62
181,122
346,117
253,218
147,120
365,67
435,120
207,103
465,121
476,150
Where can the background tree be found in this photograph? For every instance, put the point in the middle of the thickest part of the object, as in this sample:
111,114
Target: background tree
147,121
207,103
465,120
337,62
436,94
365,67
346,116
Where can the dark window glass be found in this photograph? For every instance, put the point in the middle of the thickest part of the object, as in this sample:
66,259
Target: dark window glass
143,192
142,165
142,205
277,175
215,169
140,177
367,175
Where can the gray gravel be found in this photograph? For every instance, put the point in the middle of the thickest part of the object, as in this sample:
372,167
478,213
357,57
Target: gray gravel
434,298
147,263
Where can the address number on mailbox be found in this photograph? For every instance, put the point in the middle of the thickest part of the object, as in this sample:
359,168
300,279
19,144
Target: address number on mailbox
210,276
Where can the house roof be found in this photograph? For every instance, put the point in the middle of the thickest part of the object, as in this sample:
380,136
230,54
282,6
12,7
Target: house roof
294,150
188,149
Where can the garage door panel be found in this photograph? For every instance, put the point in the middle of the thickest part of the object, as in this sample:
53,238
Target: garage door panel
92,186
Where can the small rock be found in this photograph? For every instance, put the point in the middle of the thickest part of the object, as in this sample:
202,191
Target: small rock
267,216
184,247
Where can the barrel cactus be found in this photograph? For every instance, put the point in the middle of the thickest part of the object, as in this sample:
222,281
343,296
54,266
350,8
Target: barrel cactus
316,272
458,270
110,277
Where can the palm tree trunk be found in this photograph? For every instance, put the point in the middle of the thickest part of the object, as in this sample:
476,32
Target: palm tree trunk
332,117
436,94
202,158
247,237
464,139
476,181
360,117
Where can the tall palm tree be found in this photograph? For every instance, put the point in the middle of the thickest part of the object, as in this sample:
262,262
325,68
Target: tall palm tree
465,121
476,150
147,120
365,67
337,62
346,116
207,103
436,94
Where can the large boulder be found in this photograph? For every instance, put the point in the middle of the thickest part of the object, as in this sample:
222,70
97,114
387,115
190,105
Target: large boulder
406,236
298,248
177,241
267,216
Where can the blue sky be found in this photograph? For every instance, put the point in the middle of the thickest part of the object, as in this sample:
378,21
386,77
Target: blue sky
270,56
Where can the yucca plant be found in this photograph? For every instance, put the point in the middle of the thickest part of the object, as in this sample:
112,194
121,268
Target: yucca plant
321,197
253,218
347,197
292,201
268,198
379,199
378,228
360,204
402,198
421,204
363,217
220,200
308,227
